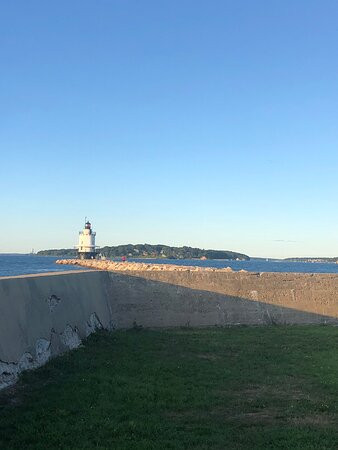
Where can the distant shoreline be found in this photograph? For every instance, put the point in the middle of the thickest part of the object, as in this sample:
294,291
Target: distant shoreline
313,260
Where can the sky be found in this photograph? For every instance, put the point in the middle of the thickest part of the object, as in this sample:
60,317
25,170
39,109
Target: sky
183,122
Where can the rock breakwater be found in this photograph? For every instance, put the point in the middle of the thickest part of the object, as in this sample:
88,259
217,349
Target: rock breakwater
114,266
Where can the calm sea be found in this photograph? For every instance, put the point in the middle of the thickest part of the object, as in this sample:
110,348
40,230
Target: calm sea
28,264
11,265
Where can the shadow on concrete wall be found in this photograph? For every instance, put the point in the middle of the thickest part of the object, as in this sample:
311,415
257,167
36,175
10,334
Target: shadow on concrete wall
161,303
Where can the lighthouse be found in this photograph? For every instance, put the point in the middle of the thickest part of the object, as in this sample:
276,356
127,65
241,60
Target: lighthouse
86,247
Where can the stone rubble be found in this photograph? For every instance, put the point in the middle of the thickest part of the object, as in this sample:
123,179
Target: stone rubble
126,266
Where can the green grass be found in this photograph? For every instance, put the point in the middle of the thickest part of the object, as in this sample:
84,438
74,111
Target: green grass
236,388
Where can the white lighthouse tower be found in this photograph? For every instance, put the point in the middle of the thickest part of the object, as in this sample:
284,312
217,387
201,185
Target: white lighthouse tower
86,247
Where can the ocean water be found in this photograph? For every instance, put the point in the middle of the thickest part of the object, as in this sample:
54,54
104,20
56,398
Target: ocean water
11,265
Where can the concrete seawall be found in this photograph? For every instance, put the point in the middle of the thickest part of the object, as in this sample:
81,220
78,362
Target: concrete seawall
44,315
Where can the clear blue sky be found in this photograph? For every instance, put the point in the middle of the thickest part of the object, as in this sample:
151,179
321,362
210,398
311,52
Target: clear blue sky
203,123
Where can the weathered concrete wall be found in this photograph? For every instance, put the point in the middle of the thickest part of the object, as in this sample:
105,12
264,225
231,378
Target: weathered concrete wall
44,315
170,298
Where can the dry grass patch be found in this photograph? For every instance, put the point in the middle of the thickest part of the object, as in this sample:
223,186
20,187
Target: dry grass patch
319,420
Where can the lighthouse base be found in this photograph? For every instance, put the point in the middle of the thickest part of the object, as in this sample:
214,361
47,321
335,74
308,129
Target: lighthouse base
87,255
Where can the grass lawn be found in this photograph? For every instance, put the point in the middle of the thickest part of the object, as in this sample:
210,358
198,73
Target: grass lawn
236,388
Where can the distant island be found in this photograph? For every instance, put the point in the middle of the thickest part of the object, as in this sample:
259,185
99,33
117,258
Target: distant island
151,251
314,260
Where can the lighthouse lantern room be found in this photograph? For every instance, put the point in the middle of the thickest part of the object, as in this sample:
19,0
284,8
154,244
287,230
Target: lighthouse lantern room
87,247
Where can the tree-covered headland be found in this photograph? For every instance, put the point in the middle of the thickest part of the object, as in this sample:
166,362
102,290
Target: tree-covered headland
152,251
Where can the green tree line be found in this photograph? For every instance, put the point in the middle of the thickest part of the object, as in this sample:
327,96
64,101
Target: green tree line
152,251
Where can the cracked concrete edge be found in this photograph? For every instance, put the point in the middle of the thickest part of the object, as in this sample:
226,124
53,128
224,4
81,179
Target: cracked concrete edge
69,338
